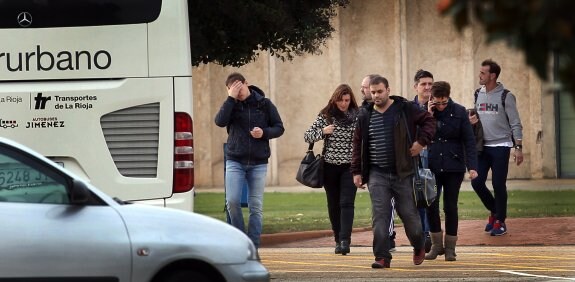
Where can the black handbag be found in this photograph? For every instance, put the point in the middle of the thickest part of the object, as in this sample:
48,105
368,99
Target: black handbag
424,186
310,172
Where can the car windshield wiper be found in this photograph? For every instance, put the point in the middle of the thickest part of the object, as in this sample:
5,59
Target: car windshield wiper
120,201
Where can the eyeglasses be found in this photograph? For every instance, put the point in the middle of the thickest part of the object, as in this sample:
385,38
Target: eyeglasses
441,103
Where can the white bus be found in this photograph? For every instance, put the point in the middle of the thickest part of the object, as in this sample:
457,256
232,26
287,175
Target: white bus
104,88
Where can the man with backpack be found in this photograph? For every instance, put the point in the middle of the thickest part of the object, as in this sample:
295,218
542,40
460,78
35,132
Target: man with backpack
251,121
502,130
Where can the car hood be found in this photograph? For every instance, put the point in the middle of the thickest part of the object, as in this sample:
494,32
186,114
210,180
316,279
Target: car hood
172,234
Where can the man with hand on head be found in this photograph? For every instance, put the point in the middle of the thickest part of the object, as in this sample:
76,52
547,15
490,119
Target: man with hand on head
251,121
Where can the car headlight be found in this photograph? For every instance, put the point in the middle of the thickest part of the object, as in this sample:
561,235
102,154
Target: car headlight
253,252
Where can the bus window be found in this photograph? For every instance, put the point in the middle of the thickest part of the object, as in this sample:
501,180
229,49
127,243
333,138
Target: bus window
71,13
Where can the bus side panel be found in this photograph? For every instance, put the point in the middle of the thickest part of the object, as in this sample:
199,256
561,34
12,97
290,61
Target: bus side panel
183,102
63,121
74,52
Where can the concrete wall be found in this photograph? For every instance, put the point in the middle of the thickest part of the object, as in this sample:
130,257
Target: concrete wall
393,38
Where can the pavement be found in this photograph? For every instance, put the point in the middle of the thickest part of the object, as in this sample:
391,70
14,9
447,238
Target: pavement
474,263
522,231
557,231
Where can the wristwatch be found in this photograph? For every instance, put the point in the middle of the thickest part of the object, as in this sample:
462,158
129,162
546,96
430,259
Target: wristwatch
518,147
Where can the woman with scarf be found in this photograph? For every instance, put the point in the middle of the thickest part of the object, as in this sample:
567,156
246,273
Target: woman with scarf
335,124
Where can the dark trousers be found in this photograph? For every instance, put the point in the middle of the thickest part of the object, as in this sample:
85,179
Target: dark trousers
382,187
450,184
496,159
340,192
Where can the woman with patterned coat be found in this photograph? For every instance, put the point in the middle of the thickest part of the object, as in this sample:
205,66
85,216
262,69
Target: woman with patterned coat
335,124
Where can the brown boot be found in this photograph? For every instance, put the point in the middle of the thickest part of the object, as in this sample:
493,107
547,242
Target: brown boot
450,242
436,246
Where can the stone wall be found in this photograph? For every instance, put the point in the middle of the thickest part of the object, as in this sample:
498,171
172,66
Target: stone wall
391,38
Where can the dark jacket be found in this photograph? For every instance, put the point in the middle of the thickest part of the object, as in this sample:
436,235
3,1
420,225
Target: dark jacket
478,131
360,163
240,118
453,146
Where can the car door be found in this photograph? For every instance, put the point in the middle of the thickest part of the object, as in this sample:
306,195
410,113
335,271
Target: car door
44,237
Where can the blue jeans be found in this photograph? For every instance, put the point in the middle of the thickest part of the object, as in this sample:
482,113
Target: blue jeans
422,211
424,220
382,187
424,156
237,175
496,159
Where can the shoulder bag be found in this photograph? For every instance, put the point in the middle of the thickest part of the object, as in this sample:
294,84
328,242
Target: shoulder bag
424,187
310,172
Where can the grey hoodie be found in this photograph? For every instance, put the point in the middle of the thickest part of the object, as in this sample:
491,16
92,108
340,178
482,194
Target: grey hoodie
497,128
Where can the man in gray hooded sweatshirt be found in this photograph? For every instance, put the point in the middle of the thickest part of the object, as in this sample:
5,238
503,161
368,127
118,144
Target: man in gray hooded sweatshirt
502,130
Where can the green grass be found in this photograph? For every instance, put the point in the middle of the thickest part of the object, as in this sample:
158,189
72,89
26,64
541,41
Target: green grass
288,212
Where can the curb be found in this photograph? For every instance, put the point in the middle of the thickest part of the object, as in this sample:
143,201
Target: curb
267,240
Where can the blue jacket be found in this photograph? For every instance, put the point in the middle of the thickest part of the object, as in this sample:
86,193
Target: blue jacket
453,146
239,117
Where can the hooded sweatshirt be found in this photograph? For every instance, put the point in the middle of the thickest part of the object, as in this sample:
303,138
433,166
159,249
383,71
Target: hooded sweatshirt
500,124
239,117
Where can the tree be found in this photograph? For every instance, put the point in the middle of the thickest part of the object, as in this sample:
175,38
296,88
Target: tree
540,28
233,32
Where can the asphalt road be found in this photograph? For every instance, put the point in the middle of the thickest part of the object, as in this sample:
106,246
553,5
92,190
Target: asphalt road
474,263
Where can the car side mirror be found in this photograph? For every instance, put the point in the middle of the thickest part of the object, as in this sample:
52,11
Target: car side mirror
79,194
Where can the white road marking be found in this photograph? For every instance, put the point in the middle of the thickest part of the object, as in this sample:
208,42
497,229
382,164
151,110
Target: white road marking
535,275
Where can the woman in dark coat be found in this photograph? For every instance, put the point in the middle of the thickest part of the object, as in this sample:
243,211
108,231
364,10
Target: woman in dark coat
451,152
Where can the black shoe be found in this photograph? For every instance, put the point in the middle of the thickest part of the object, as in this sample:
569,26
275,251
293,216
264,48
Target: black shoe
392,242
344,247
337,248
427,243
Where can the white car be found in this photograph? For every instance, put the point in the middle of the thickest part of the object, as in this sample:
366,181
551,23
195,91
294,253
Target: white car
56,227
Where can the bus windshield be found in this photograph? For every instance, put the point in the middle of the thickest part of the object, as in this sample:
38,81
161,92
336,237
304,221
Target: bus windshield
68,13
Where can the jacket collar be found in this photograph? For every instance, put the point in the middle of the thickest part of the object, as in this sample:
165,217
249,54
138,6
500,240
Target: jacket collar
256,95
